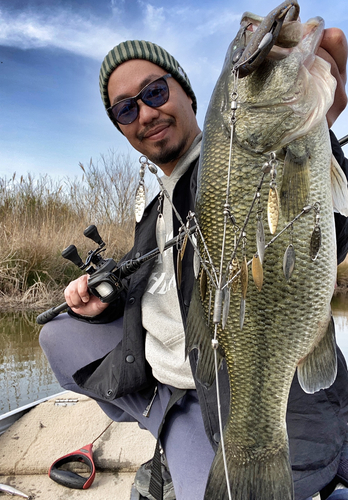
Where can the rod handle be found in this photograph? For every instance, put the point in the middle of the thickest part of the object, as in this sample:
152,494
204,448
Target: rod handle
46,316
69,478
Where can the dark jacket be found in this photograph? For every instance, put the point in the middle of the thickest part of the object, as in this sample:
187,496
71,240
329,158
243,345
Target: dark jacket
316,422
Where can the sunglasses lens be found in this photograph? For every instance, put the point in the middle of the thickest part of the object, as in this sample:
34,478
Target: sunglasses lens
154,95
125,112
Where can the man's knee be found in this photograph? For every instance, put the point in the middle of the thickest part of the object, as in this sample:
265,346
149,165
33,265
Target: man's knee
50,332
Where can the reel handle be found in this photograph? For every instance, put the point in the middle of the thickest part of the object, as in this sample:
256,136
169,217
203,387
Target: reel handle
70,253
92,233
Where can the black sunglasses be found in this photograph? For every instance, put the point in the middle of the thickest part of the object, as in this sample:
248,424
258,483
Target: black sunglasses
154,94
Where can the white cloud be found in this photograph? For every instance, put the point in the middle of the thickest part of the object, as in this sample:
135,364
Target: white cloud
62,29
93,36
218,22
117,7
196,35
154,18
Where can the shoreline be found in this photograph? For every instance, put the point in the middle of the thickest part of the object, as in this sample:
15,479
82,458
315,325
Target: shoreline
12,305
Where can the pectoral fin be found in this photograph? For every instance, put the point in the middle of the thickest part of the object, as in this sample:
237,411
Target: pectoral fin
339,188
318,370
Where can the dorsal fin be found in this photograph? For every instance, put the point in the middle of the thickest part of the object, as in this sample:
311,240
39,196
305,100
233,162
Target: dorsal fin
339,188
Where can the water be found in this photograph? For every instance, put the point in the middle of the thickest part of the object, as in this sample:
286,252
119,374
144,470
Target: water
25,375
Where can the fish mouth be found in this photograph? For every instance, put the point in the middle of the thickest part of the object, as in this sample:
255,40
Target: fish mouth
257,37
290,35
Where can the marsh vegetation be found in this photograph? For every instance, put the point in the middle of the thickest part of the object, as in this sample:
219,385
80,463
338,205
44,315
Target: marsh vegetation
40,216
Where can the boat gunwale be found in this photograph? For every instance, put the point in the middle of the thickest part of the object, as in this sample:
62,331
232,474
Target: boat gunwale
9,418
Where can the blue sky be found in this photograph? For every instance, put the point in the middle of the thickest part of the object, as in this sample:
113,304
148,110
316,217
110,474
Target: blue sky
51,114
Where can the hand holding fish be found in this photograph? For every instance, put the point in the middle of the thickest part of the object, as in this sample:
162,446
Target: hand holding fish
334,49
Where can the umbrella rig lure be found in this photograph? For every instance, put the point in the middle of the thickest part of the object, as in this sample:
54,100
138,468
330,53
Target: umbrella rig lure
218,282
228,277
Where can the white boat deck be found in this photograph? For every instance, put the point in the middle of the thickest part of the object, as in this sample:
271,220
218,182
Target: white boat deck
49,431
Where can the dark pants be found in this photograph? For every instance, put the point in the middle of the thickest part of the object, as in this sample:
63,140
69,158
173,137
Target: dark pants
70,344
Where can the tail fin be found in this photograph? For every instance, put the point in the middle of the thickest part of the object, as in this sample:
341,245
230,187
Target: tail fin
269,478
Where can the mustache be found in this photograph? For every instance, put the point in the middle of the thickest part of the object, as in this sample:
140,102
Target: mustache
152,126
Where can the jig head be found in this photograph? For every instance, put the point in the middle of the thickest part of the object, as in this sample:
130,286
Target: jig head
250,48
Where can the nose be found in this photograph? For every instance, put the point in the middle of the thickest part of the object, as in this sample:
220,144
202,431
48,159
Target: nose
146,113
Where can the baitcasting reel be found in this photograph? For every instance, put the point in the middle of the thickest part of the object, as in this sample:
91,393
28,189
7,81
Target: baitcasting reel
105,276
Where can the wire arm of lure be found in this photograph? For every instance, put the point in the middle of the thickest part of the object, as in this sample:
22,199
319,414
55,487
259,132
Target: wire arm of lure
304,211
213,279
247,218
153,169
227,211
191,216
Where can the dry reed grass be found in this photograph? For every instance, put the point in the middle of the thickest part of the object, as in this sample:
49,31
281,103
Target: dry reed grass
39,217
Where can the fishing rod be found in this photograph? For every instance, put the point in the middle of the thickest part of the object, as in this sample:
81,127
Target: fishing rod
105,275
343,141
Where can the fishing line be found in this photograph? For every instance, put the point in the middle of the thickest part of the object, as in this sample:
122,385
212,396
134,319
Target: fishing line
215,345
218,292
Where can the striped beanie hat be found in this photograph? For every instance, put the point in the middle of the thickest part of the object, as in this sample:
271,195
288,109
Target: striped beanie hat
139,49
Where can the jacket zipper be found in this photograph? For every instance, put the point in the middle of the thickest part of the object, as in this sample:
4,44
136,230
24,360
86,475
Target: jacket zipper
149,406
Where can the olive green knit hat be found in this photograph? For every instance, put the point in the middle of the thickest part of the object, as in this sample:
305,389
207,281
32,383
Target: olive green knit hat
139,49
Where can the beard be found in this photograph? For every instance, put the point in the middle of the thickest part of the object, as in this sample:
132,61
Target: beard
164,152
168,153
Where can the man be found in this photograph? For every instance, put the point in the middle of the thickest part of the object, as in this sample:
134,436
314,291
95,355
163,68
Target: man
129,356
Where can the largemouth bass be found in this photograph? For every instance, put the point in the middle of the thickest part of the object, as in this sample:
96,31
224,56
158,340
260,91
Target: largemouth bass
266,154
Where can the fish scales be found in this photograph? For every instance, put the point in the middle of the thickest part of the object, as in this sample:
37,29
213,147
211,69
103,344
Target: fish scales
286,320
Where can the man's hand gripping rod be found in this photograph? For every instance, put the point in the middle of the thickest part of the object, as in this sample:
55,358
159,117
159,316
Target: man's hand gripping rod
105,279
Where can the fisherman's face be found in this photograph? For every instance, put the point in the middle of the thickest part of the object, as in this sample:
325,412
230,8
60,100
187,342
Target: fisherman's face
165,133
